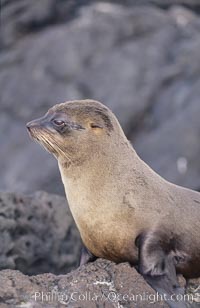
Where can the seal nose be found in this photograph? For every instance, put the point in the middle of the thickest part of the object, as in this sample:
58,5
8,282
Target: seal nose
34,124
31,124
38,123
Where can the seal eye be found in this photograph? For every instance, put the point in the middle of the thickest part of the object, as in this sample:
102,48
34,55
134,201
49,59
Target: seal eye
59,123
93,125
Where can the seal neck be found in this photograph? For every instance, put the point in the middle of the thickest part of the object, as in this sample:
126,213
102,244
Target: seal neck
107,160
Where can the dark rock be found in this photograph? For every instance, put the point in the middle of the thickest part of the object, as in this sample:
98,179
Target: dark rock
143,62
99,284
24,16
37,234
166,4
171,147
193,289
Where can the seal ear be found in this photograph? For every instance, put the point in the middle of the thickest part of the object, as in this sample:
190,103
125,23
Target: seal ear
96,128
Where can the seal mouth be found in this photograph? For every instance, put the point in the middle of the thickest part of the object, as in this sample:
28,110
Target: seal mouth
33,127
47,139
31,132
42,137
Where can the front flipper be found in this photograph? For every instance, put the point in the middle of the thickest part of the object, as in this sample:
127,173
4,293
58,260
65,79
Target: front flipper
157,266
86,256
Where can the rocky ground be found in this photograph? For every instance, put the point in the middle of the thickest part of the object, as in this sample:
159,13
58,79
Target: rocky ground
99,284
102,284
142,60
38,235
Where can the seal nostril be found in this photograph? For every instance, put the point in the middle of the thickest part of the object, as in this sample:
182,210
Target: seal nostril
28,126
37,123
31,124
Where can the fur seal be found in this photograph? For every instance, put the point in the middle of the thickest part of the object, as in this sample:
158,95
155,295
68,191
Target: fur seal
123,209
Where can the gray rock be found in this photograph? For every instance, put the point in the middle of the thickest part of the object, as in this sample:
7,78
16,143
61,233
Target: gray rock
37,234
25,16
142,62
166,151
99,284
30,16
193,290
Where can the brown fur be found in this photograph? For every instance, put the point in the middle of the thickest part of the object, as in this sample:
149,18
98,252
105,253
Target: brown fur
115,197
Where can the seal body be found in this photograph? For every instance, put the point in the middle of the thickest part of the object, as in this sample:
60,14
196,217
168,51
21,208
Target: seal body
143,206
123,209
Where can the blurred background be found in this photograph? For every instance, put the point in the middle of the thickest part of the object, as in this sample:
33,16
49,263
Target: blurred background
140,58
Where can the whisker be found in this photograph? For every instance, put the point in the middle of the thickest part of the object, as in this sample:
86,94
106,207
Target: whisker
61,151
49,144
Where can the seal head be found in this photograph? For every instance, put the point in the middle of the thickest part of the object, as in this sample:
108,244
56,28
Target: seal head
67,130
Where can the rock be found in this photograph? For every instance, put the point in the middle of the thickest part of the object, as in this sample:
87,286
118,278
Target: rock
193,289
25,16
141,61
37,234
98,284
165,4
174,157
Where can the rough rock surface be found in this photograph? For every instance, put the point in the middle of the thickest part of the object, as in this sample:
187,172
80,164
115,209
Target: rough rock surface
142,61
98,284
102,280
25,16
37,234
